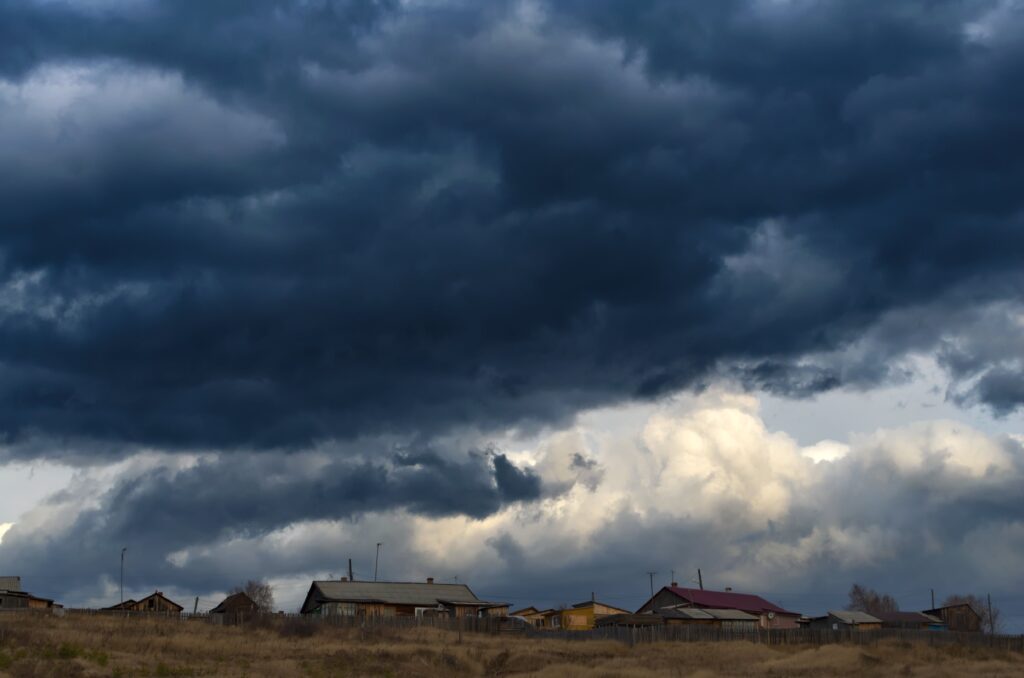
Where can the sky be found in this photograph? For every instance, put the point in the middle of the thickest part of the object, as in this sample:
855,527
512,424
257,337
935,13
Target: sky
541,296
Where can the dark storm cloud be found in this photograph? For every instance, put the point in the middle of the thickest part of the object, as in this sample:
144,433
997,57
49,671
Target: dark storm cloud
319,220
161,510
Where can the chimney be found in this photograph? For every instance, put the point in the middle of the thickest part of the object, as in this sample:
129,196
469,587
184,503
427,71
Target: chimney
430,580
675,584
728,589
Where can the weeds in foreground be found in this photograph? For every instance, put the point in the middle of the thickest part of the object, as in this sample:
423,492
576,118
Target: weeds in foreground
41,646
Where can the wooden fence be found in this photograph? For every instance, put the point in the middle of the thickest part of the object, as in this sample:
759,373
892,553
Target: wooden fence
629,635
709,634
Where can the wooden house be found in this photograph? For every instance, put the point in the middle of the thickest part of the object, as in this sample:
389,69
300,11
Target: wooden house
235,609
580,617
397,599
911,620
156,602
960,617
12,597
531,614
837,620
769,614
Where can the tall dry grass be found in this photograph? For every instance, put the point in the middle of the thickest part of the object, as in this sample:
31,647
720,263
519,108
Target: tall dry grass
106,646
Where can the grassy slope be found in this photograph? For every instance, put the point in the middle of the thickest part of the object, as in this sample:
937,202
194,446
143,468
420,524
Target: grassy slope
96,646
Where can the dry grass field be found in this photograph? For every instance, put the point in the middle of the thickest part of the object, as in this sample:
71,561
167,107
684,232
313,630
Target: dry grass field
103,646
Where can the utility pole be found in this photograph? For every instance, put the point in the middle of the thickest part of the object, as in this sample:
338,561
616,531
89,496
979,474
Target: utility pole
700,579
122,574
350,577
933,599
673,579
376,561
651,575
195,608
991,620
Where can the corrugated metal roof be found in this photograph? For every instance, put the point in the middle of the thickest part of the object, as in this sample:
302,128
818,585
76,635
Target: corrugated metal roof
730,615
397,593
728,600
854,617
685,613
10,583
705,613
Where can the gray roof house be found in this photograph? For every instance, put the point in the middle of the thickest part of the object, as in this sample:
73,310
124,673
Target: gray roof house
354,598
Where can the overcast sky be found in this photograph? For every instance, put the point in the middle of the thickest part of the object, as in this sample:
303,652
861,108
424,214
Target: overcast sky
540,295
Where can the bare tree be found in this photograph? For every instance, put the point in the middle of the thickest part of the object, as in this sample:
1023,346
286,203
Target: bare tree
989,623
868,600
261,593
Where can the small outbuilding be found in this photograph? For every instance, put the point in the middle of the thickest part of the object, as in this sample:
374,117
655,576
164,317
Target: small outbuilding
838,620
235,609
531,614
911,620
961,617
580,617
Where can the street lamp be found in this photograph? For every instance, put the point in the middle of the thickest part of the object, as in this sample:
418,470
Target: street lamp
122,574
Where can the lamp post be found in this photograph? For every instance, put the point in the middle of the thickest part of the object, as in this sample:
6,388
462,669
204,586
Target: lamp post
122,574
376,561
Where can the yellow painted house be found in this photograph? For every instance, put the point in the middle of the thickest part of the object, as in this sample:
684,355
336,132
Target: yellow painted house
579,617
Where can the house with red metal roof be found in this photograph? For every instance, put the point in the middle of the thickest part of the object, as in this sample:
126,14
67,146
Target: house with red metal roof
771,616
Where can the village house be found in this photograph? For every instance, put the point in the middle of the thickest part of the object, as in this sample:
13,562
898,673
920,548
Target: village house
840,620
12,597
769,614
579,617
234,609
960,617
911,620
155,602
396,599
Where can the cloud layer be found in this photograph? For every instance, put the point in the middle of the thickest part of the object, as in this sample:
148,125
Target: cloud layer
291,277
697,483
326,220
